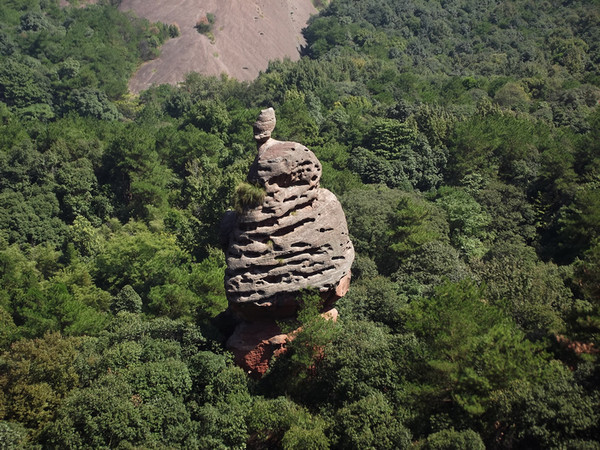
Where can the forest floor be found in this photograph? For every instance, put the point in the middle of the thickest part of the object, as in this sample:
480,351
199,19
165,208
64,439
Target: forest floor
246,35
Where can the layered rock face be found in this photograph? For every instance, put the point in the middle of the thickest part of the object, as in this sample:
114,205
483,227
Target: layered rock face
296,238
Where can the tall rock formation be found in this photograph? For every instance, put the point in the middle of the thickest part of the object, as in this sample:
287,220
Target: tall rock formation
293,237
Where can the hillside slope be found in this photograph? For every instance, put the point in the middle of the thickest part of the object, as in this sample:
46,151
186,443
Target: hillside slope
247,35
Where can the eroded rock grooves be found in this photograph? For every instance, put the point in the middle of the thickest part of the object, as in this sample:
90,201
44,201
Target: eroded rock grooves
297,238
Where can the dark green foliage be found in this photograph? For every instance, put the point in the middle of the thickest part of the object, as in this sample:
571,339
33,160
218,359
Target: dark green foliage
111,413
127,300
587,271
376,299
496,145
90,103
553,413
399,157
222,419
361,360
579,221
31,218
370,423
587,278
473,350
369,214
293,374
204,24
534,292
435,263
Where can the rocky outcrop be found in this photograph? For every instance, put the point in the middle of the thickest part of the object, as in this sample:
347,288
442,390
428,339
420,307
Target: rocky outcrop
294,239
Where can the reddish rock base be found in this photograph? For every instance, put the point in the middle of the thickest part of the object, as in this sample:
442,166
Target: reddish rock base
285,305
253,344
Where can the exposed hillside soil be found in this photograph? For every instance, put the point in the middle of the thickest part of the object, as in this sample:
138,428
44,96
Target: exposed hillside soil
247,35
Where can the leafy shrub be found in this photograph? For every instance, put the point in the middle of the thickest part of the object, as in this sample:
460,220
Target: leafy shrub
205,24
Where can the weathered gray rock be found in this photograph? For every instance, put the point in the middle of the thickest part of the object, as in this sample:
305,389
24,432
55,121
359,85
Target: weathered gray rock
296,239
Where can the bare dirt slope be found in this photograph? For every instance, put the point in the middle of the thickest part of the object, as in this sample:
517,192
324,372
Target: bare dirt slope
247,35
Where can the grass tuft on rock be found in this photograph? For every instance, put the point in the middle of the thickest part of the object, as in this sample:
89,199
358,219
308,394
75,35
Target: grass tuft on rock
248,196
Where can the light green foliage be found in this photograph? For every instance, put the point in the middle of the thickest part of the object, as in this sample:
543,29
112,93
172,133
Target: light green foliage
206,279
36,375
209,116
413,226
336,175
12,436
300,437
82,287
135,256
38,306
160,272
435,123
454,440
315,331
87,239
467,219
280,421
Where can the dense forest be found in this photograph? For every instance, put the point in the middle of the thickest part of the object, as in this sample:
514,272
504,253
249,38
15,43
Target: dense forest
462,138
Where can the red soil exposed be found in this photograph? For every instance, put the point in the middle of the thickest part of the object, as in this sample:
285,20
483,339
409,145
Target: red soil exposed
247,35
